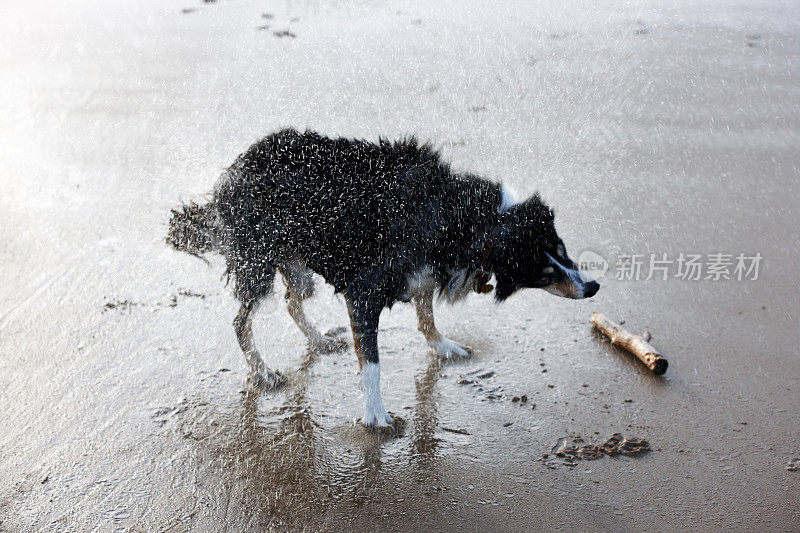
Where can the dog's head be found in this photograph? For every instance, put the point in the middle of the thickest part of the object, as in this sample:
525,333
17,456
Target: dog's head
528,253
191,229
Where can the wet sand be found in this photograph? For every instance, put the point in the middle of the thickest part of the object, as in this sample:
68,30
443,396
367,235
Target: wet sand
650,129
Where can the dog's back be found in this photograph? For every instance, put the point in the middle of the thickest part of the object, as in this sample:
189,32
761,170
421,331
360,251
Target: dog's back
344,205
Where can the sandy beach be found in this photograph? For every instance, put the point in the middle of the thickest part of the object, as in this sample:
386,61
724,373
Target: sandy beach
656,131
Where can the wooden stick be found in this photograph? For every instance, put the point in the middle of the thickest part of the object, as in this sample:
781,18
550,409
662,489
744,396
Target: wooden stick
633,343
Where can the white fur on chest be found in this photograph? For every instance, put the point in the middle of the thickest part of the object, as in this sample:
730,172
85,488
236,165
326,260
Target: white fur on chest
458,287
419,282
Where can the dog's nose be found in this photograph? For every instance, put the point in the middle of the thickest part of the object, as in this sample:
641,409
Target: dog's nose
590,289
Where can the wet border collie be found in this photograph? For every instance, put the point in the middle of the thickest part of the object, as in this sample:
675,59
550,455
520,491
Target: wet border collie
381,222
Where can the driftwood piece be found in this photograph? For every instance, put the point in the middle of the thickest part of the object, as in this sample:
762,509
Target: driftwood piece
633,343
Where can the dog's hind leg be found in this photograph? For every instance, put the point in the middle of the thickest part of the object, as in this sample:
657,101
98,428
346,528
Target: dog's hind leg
364,322
440,344
243,324
299,286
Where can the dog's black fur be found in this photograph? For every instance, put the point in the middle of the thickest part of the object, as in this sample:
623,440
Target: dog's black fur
367,217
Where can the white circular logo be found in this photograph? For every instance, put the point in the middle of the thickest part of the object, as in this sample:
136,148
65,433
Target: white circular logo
591,265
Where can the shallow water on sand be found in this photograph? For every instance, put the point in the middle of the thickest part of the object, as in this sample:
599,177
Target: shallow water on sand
650,129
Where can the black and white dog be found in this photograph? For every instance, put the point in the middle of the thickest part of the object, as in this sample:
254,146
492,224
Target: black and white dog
382,223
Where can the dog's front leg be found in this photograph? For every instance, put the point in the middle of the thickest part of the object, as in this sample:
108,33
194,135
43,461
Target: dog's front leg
364,317
440,344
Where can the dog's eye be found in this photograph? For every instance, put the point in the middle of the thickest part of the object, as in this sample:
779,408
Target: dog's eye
548,270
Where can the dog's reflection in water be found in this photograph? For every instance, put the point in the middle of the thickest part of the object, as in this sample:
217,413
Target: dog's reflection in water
424,444
282,465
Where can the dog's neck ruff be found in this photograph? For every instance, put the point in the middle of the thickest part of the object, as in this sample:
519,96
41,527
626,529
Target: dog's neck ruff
508,199
487,249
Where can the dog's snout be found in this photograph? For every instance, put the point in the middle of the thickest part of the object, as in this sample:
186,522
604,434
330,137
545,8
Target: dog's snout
590,289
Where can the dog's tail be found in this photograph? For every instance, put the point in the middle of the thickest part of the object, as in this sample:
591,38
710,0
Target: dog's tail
193,229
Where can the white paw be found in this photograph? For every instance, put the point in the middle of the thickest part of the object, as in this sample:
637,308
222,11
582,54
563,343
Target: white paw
375,416
446,348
